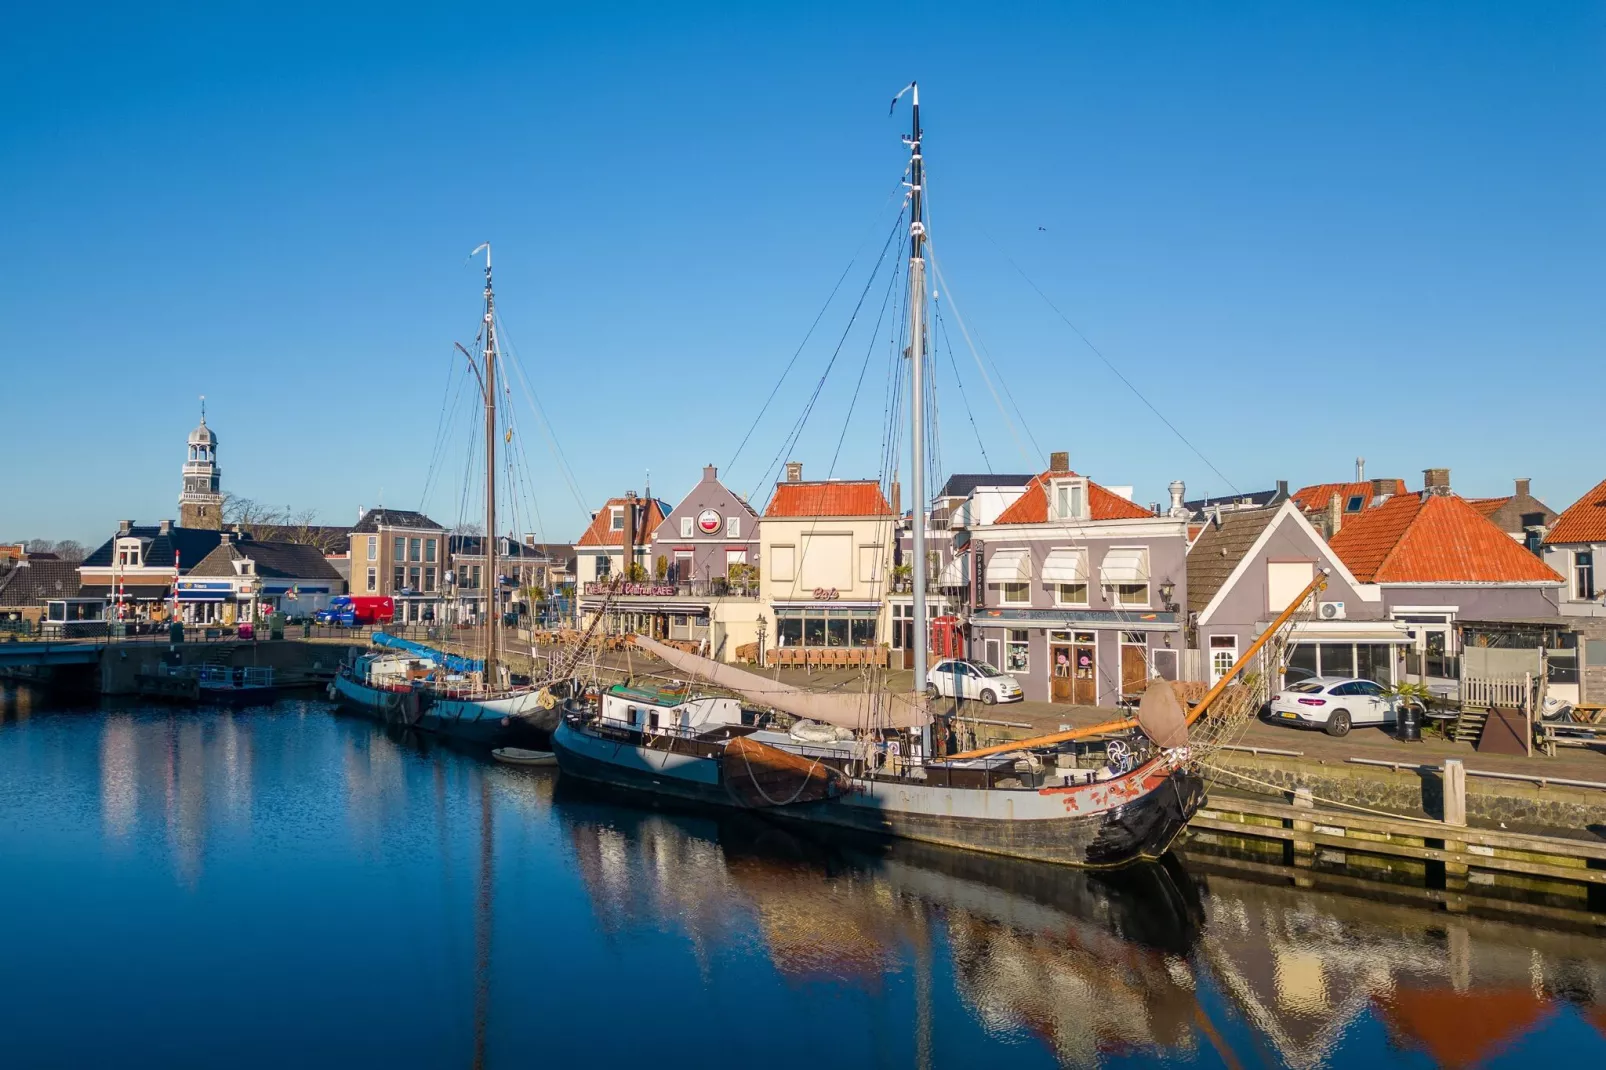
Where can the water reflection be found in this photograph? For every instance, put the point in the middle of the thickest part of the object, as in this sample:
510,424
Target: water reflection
456,906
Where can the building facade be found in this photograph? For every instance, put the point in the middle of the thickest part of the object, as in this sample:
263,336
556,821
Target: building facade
243,578
1077,591
826,559
134,570
401,554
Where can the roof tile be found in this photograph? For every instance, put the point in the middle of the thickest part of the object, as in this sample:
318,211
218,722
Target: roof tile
650,512
1032,506
1439,538
1583,520
1313,498
846,497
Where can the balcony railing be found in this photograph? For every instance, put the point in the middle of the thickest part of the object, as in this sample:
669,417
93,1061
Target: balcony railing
715,588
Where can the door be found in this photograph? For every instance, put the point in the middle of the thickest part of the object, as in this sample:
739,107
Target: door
994,654
1059,688
1134,669
1085,670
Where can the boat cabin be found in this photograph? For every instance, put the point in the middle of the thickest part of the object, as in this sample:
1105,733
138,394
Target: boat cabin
651,709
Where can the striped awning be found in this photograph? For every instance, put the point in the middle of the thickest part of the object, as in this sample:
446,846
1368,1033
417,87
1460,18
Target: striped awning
1009,566
1125,564
1065,565
956,573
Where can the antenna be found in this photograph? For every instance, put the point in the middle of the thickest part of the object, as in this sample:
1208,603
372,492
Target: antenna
203,408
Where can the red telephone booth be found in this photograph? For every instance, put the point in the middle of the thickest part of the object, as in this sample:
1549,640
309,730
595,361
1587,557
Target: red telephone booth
946,639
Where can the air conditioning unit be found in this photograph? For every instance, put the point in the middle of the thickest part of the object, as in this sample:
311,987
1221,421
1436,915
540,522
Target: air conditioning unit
1333,611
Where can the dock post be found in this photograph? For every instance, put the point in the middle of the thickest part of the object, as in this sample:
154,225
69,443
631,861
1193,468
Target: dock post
1455,815
1304,851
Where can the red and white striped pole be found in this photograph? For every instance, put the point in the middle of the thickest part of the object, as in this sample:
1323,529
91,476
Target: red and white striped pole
175,585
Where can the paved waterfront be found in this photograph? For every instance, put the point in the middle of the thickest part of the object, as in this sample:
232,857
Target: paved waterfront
290,887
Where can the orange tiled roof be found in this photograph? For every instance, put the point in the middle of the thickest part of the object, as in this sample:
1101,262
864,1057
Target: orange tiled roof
1312,499
838,497
650,512
1032,506
1439,539
1487,506
1583,520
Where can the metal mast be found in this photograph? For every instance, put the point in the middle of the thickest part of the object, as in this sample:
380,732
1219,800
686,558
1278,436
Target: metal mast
492,587
917,396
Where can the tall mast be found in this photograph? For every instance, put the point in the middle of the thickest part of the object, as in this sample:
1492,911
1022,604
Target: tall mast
917,396
492,587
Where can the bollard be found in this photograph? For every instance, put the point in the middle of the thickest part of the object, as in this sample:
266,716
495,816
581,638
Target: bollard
1455,814
1304,851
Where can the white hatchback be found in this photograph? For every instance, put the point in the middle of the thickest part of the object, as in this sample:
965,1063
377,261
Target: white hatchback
953,677
1334,704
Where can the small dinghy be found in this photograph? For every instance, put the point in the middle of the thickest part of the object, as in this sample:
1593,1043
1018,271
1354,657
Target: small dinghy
520,756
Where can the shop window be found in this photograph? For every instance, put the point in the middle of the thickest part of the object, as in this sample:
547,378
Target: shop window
1015,594
788,629
814,628
1017,651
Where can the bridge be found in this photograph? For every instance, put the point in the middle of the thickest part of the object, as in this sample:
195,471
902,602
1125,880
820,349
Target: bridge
55,652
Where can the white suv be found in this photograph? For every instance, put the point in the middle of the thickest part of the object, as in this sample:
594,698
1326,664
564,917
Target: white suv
1334,704
956,677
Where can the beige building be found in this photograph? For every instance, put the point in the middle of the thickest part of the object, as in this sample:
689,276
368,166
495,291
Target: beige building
826,550
402,554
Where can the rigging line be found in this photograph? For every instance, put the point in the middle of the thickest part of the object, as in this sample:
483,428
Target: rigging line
936,269
892,281
440,451
534,400
440,420
731,465
959,387
802,420
1108,364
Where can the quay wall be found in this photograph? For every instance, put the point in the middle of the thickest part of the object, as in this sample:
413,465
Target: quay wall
1517,804
293,660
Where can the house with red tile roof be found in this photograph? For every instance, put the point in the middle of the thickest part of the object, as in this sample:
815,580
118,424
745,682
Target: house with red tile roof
1518,514
1076,590
600,549
1439,561
1575,546
826,552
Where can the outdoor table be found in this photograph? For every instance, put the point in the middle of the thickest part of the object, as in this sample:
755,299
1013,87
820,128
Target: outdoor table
1441,721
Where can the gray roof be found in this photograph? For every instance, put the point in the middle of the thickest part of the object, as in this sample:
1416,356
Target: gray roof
191,544
374,519
1218,549
34,582
960,486
275,560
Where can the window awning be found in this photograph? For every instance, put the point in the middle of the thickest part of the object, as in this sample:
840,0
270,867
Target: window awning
956,573
1009,566
1066,565
1125,564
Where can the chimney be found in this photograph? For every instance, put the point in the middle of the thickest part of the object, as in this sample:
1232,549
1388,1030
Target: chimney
1335,514
794,471
164,528
897,498
1522,488
1178,492
124,527
1435,481
1382,490
710,473
1282,491
1360,469
1059,461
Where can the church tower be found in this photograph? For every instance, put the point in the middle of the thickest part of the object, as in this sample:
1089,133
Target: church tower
201,504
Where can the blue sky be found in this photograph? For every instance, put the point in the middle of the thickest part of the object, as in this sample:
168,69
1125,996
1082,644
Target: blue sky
1306,232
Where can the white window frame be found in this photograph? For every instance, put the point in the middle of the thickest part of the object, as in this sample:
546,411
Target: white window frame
1022,645
1118,600
373,579
1227,645
1575,573
733,527
1076,506
1025,590
616,518
373,549
686,523
1087,595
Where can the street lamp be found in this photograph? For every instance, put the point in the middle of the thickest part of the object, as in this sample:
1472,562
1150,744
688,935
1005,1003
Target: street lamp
761,627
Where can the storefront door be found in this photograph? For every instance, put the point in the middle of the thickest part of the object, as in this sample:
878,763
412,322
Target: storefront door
1084,670
1134,668
1059,660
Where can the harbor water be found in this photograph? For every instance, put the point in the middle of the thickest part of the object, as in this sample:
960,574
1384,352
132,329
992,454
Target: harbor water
288,886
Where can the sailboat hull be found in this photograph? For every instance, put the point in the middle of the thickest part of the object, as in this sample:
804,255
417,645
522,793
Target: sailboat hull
685,777
496,722
1125,820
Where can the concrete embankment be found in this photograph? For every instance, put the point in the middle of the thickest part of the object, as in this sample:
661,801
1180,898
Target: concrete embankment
294,661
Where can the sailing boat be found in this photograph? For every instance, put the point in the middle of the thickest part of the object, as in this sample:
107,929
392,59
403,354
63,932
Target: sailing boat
1001,800
471,698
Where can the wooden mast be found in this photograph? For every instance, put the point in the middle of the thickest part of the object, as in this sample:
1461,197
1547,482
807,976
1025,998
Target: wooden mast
1131,722
492,587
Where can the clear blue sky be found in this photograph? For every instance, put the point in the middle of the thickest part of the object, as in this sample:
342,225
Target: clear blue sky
1306,231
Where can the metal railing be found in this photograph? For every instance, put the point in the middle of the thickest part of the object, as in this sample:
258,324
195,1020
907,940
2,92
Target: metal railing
667,588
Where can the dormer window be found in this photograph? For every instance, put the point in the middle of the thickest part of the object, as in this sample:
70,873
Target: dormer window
128,553
616,517
1067,499
244,566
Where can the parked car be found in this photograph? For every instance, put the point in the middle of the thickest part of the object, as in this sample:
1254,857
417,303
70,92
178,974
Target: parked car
958,677
1334,704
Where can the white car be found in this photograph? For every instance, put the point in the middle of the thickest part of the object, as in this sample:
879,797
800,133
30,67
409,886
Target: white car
1334,704
957,677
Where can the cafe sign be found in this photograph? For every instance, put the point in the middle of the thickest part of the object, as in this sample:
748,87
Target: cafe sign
709,522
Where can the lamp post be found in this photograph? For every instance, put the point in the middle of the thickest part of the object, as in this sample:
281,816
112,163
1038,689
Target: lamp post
761,627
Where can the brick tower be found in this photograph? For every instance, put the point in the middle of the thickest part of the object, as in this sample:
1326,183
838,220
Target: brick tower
201,504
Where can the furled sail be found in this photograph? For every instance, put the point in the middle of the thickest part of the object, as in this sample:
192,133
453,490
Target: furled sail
856,710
